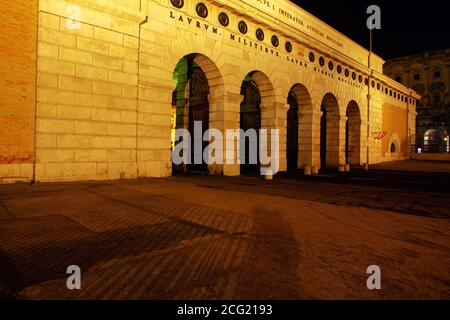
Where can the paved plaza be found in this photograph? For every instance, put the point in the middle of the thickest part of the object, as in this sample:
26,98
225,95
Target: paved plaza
204,237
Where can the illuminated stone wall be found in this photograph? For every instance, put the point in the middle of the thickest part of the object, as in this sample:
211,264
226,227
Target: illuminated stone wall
87,91
18,25
104,90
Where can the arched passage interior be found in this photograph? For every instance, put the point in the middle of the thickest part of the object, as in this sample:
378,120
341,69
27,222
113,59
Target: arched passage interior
250,123
353,134
292,132
300,124
255,114
329,132
197,80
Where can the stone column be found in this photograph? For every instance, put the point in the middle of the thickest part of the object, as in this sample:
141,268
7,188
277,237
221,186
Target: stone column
274,116
309,139
336,140
281,125
411,134
354,140
225,115
363,142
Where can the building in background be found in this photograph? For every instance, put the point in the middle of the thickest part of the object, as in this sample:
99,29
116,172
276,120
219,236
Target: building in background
429,75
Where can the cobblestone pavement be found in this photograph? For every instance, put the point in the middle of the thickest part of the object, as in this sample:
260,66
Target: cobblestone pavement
197,237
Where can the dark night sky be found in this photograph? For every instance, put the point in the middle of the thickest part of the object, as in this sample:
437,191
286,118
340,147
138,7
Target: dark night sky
408,27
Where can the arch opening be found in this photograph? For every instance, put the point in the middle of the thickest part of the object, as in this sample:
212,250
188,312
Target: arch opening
393,148
292,135
258,97
329,132
353,134
191,107
300,123
250,119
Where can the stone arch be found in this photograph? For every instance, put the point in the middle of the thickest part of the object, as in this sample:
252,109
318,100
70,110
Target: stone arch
211,72
305,125
262,115
332,135
436,140
199,88
353,134
265,88
394,147
429,137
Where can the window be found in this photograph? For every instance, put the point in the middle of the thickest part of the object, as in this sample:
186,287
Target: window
223,19
393,148
416,76
259,34
437,98
275,41
178,3
321,61
202,10
288,46
398,78
242,26
437,74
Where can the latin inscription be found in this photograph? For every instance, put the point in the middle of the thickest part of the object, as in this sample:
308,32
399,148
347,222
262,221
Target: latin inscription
285,14
237,39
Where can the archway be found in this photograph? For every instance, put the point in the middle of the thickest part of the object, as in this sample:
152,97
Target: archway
353,134
300,137
394,148
191,104
198,113
431,141
292,135
258,101
250,119
329,132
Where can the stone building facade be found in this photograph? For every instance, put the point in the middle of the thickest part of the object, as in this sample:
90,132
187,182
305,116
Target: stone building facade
429,75
93,89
